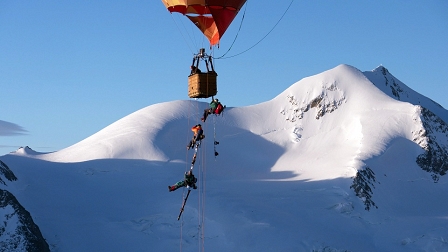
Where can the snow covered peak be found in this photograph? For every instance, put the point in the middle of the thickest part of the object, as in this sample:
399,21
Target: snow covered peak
145,134
26,151
344,140
396,89
381,69
348,115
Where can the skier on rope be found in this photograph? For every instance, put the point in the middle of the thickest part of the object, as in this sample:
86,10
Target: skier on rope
189,181
215,108
198,135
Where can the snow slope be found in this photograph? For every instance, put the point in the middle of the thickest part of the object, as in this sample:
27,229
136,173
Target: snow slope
282,180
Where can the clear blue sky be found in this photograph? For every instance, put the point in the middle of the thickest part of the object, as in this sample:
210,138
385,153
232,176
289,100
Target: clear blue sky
70,68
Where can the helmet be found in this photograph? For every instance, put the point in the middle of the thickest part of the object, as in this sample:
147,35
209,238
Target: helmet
216,100
199,125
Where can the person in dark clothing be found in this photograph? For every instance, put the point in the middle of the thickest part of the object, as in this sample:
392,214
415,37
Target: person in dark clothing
189,181
215,108
194,70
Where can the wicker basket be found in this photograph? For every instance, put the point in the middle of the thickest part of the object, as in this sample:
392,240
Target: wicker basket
202,85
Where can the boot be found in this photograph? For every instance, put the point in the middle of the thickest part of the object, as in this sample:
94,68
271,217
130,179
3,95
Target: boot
171,188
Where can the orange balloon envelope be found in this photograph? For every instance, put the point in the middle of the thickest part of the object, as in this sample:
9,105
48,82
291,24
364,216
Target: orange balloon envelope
212,17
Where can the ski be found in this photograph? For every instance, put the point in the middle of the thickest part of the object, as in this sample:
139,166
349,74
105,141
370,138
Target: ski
191,168
195,154
196,147
183,204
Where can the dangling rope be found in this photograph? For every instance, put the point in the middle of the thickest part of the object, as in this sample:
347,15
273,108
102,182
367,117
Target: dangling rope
201,201
182,34
201,173
284,13
191,111
183,192
214,137
190,39
237,33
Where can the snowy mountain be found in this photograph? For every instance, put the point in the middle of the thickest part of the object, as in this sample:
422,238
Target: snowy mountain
341,161
18,232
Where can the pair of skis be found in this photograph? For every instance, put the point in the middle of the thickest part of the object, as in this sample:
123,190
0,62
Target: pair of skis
183,204
191,168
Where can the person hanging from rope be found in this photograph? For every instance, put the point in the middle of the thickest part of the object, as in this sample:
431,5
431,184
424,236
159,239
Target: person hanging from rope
189,181
198,135
215,108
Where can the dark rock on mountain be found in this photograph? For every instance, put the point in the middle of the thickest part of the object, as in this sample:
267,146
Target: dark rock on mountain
18,231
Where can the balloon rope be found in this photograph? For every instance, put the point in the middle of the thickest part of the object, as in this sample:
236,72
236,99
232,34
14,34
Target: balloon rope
183,36
236,36
222,57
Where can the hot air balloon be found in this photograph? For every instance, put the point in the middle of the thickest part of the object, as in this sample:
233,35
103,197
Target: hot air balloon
212,17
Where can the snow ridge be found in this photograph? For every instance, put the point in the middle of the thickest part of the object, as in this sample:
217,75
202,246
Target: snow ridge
343,145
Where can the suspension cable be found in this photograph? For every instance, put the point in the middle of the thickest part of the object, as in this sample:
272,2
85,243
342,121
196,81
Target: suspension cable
186,167
182,34
238,32
202,199
283,15
193,108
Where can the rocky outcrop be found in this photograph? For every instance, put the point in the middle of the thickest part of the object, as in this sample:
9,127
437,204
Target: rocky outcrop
435,134
390,81
6,173
362,185
18,232
328,101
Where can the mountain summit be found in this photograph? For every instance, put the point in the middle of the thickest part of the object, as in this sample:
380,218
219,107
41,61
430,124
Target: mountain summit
340,154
